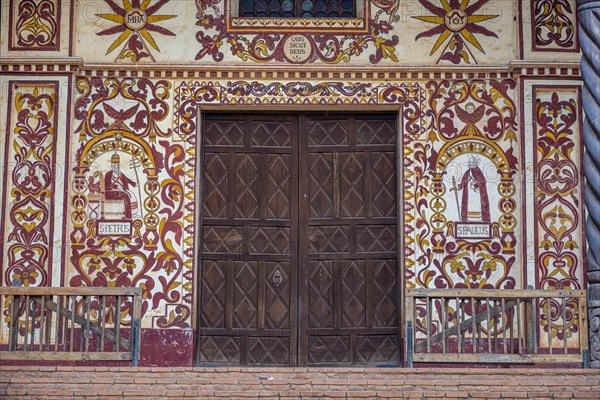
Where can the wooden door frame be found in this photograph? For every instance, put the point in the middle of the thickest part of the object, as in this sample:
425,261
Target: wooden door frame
199,188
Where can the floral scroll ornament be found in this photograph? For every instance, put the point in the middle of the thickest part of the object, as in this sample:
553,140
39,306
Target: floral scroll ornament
554,25
327,46
456,26
135,22
37,25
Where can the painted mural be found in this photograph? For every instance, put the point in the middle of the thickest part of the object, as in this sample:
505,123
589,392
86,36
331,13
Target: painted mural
464,32
463,222
127,197
560,242
131,189
26,253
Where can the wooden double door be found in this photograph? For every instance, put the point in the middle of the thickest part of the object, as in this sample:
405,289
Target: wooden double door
299,240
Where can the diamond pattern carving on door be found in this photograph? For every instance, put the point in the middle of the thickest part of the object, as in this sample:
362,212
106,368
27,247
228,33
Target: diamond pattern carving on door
385,294
245,295
268,351
299,247
384,185
220,349
353,294
271,133
269,240
246,201
377,349
215,179
327,131
321,295
352,186
321,180
279,202
329,350
375,132
224,132
213,294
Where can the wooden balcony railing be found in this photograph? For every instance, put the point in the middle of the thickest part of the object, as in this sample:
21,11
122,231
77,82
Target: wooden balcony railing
59,323
496,326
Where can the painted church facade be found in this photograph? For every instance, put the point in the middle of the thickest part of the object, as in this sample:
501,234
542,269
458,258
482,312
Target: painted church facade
276,175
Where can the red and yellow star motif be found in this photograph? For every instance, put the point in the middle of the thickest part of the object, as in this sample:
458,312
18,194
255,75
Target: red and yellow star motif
456,20
135,18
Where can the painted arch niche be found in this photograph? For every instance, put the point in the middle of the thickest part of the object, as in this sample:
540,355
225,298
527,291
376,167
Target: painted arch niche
473,215
126,202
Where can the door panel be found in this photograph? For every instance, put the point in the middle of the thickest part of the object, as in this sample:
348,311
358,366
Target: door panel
249,223
348,241
299,243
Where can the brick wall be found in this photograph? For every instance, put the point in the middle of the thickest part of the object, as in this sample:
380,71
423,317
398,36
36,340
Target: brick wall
28,382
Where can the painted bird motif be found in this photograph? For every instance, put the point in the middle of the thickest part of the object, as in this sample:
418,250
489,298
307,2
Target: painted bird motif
120,115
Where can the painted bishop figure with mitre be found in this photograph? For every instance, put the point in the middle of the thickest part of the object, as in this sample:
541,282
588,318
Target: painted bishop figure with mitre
116,185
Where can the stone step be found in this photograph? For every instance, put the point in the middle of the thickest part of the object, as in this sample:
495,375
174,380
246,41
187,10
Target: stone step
49,382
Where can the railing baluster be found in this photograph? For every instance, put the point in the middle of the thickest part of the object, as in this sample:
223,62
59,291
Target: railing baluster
429,322
58,330
101,318
136,330
489,322
519,325
42,321
73,309
81,328
445,319
458,324
462,321
473,313
118,324
26,335
503,306
479,329
87,324
49,330
549,324
32,334
495,302
15,305
511,313
564,318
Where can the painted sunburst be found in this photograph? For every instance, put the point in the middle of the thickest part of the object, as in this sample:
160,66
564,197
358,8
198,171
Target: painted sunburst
136,19
455,21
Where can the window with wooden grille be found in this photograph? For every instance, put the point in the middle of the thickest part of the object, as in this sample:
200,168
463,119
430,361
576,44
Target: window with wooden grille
297,8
